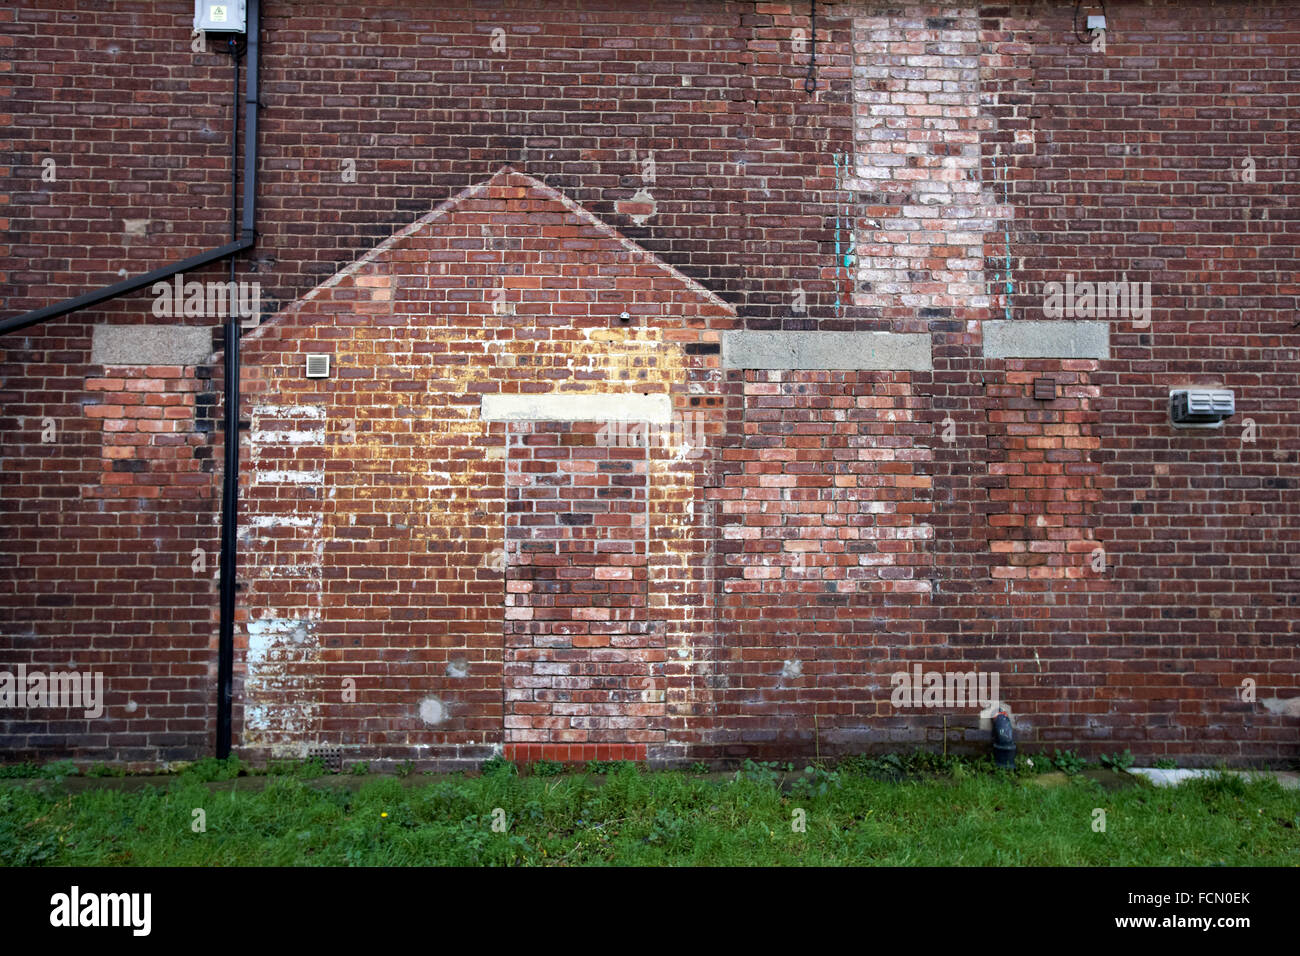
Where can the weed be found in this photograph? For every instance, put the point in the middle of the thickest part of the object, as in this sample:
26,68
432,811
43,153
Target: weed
1221,787
307,768
604,766
765,773
1027,766
210,768
886,767
59,769
814,782
916,764
1118,762
499,766
668,829
1068,762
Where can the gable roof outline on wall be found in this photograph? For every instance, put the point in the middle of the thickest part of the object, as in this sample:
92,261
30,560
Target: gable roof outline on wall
506,175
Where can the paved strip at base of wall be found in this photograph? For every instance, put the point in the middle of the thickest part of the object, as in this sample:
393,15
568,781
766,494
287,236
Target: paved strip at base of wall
847,351
150,345
1032,339
577,408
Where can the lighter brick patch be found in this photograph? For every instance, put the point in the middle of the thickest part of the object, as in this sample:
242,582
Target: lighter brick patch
923,208
289,411
577,408
284,521
289,477
280,707
315,436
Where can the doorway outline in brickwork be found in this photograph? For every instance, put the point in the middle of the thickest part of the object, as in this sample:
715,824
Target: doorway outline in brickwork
574,706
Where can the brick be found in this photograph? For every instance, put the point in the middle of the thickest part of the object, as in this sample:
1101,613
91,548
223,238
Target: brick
743,579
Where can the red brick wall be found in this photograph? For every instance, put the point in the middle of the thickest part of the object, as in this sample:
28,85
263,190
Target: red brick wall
110,550
481,584
415,96
583,659
1128,162
826,537
1042,448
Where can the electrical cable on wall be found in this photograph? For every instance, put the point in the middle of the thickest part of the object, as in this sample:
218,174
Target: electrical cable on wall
846,248
838,254
810,82
1006,232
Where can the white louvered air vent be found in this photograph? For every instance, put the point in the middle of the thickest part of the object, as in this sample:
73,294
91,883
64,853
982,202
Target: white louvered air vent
318,366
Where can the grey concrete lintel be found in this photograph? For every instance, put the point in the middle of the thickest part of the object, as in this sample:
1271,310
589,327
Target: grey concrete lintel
1027,338
150,345
830,351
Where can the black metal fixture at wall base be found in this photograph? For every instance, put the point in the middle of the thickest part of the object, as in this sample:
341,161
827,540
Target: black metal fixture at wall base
1004,741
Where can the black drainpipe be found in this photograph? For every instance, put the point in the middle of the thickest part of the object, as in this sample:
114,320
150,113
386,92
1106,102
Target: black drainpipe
230,472
246,240
230,476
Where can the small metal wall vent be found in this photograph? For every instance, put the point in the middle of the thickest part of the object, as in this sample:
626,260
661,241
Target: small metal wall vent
1201,407
318,366
331,757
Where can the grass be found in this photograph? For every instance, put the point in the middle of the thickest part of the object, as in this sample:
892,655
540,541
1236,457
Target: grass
623,815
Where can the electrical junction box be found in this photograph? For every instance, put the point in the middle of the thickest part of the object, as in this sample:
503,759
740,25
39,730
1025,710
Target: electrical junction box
1200,407
1096,22
215,16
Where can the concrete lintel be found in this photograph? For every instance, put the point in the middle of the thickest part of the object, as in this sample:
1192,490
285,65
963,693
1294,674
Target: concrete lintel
577,408
1027,338
831,351
150,345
